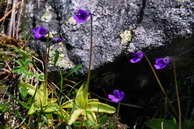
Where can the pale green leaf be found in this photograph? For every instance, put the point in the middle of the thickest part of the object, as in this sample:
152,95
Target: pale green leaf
33,109
68,104
51,108
100,107
31,89
82,96
52,100
75,115
91,116
63,114
41,96
93,100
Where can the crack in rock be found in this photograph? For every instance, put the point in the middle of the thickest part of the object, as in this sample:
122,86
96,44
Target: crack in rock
141,13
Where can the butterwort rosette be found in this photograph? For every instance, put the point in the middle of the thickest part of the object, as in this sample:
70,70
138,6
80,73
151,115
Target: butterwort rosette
137,57
40,32
117,96
81,16
161,63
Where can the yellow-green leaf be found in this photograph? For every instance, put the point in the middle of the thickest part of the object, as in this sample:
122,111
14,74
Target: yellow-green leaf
34,108
64,115
75,115
52,100
100,107
41,94
31,89
51,108
68,104
82,96
91,116
93,100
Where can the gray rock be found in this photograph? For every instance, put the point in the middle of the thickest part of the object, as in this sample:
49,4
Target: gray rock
153,23
164,21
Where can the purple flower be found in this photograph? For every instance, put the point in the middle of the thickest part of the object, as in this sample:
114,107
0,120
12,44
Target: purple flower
39,32
81,16
137,56
161,63
57,39
117,96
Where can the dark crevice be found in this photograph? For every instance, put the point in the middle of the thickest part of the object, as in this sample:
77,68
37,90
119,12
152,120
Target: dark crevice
141,13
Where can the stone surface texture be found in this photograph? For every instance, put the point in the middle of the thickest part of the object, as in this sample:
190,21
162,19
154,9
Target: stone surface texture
153,23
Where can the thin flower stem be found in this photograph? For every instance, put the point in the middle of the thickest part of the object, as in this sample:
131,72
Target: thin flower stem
61,81
161,87
90,52
46,61
123,104
157,79
177,95
46,67
118,108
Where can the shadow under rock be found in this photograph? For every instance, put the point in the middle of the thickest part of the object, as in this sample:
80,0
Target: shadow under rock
138,83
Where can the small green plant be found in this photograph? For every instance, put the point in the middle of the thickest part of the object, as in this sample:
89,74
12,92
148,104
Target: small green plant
24,67
4,107
41,102
83,106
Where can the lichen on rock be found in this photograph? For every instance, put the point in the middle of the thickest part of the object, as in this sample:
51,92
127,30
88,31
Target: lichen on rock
155,23
126,36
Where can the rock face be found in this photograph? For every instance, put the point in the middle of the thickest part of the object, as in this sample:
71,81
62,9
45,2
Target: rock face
152,23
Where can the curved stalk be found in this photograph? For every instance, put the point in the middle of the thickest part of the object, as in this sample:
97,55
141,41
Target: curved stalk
178,98
161,87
